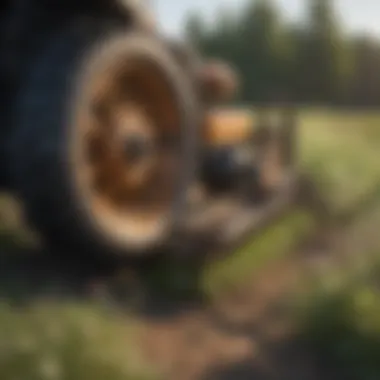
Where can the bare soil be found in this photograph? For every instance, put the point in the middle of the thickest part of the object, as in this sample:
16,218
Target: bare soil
248,334
245,334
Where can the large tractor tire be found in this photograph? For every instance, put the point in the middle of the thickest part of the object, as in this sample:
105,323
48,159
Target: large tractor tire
105,144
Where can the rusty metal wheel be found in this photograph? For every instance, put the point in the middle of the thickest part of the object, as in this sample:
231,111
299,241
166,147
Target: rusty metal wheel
109,123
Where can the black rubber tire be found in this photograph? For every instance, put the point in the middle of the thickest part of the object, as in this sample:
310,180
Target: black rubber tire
38,155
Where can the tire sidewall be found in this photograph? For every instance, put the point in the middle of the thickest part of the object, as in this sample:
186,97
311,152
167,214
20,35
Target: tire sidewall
81,44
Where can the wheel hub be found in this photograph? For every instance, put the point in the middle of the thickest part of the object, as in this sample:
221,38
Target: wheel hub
136,148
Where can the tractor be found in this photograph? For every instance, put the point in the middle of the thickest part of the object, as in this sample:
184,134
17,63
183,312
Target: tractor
118,140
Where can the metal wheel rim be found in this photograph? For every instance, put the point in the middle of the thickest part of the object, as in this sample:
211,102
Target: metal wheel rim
137,91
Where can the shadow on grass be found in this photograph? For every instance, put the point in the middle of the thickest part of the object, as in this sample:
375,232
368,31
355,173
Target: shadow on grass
287,361
344,332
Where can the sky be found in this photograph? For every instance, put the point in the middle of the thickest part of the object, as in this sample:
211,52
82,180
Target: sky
356,15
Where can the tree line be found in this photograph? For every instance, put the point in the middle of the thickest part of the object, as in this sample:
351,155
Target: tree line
311,62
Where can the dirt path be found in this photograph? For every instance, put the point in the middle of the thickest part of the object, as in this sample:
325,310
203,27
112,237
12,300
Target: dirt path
247,334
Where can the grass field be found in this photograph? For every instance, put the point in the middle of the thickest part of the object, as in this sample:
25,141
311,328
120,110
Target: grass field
340,150
338,314
341,153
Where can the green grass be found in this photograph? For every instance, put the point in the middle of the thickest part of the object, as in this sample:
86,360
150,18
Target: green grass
339,320
268,247
340,151
337,311
179,280
78,342
69,342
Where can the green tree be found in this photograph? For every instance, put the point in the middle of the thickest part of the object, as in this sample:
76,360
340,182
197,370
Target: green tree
195,30
313,62
365,88
262,45
325,58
